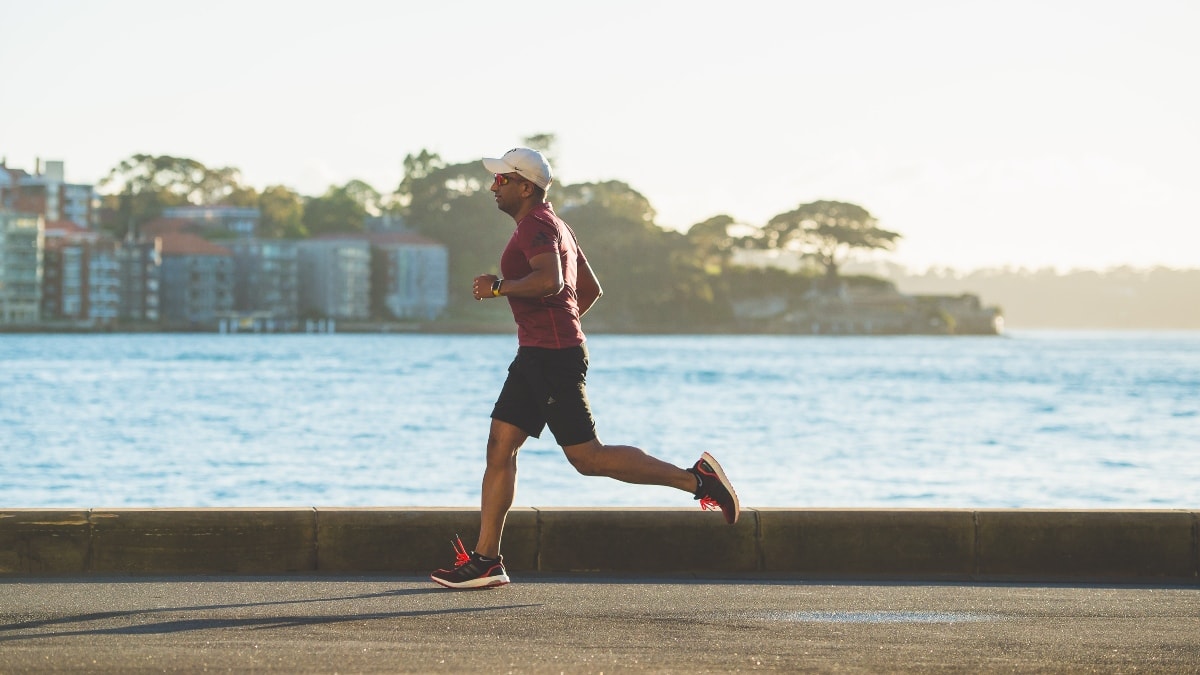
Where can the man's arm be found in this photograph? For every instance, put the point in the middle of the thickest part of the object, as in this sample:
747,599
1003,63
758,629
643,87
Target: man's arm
546,278
587,289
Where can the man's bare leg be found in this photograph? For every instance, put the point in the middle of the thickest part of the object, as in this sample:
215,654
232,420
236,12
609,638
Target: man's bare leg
499,485
627,463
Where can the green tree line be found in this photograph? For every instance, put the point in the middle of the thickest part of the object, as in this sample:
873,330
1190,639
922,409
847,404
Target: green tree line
654,278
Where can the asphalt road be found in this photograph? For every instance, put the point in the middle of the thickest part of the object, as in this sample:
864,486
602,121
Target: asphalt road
590,625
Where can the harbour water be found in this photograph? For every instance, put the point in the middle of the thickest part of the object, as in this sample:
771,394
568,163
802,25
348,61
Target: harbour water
1028,420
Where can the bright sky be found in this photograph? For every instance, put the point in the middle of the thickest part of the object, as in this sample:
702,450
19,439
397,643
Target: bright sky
1024,132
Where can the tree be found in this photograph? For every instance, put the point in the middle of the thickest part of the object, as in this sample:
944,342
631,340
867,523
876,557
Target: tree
545,144
452,204
827,231
652,278
340,209
419,166
221,186
282,213
417,191
243,196
712,241
366,196
613,197
144,185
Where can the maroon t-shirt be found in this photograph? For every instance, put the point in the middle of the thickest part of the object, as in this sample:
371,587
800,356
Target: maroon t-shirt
553,321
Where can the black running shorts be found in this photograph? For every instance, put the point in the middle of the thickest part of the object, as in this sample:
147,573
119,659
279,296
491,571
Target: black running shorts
546,387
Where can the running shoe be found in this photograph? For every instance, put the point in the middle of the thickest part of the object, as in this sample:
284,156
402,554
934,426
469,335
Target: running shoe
471,570
713,488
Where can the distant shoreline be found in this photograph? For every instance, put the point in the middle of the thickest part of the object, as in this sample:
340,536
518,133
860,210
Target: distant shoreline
482,329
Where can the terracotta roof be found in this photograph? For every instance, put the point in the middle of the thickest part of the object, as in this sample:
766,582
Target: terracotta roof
182,243
60,233
16,174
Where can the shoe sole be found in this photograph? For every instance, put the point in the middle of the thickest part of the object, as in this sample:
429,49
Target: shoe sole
716,466
483,582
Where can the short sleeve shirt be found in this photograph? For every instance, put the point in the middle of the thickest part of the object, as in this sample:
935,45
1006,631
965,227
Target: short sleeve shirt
550,322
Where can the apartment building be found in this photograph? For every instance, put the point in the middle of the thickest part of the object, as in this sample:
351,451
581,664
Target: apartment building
266,277
235,220
409,276
47,193
196,281
56,265
81,275
21,251
335,278
140,268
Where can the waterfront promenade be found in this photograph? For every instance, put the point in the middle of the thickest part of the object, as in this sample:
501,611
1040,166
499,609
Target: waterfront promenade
589,624
601,590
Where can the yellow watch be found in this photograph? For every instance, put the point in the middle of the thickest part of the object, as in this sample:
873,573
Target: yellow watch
496,288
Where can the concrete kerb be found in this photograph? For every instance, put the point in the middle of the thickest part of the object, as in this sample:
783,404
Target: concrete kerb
44,542
1088,545
1116,546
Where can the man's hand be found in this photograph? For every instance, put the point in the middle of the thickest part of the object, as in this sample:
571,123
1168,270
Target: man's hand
482,288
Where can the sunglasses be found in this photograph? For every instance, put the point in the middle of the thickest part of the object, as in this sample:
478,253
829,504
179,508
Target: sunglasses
502,179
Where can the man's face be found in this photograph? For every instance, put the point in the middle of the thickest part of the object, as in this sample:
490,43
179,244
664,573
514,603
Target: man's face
509,189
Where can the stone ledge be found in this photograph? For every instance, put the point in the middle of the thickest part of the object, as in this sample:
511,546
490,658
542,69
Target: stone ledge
1130,546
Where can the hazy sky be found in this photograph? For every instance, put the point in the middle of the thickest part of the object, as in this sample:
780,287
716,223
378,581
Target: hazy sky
1027,133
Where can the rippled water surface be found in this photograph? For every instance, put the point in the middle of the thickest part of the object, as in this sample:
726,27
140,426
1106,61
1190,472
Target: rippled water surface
1070,420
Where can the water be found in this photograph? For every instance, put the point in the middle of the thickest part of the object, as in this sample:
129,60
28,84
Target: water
1060,420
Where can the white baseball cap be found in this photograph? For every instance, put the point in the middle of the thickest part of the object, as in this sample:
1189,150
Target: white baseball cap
526,163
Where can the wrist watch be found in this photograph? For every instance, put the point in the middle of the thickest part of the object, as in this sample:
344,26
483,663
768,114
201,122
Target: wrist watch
496,288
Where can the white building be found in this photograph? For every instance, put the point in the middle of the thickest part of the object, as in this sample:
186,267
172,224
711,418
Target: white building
335,278
411,275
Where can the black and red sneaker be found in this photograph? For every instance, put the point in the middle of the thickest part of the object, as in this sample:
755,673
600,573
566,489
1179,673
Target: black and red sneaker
713,488
471,570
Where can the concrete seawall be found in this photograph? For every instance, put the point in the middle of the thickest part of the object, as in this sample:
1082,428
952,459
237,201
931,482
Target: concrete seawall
1142,546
